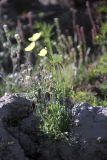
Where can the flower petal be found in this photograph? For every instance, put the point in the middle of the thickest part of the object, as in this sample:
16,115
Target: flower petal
35,37
30,47
43,52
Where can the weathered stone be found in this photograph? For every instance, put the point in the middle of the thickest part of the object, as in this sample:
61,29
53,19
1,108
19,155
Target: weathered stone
90,131
13,110
20,138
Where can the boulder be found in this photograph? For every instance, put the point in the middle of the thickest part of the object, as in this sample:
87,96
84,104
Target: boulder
15,142
90,131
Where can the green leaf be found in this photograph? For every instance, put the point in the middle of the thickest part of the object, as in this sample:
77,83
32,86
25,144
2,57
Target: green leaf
56,59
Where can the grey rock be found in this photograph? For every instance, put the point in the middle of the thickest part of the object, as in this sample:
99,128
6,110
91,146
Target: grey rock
13,110
90,131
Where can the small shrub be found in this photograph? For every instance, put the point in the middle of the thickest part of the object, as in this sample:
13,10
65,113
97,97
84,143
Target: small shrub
56,121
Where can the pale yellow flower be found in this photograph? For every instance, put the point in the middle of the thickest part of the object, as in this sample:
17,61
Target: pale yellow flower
30,47
43,52
35,37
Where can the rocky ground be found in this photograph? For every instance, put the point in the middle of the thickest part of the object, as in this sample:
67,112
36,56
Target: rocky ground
21,139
